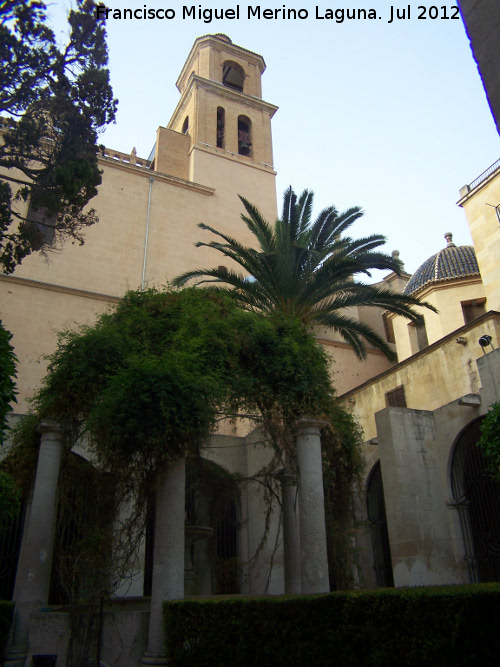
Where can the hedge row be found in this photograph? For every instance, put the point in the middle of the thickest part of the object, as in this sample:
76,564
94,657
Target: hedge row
6,612
438,626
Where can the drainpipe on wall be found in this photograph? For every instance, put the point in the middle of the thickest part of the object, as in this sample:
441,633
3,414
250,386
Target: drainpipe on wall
151,180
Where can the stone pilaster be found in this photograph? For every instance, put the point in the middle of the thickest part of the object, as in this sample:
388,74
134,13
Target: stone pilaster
314,559
35,562
168,556
291,531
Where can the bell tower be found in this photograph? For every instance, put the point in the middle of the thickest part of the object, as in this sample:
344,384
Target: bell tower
223,123
221,105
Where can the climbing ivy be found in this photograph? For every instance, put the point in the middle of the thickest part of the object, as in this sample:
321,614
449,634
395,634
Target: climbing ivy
149,382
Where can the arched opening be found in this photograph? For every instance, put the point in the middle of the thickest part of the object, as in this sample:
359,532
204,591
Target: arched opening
375,505
185,125
86,509
221,126
233,75
477,497
244,133
211,532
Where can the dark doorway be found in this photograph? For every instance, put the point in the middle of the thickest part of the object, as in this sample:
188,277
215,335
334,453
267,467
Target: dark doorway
378,527
477,498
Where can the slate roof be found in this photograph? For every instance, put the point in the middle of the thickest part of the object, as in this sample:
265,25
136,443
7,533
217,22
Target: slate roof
449,263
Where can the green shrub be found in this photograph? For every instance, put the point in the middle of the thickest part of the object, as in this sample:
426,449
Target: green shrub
437,626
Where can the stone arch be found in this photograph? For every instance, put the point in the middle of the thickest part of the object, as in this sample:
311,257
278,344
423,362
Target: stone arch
85,497
211,531
377,519
476,496
233,75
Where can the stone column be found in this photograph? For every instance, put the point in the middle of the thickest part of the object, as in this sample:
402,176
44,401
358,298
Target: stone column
291,531
314,559
168,556
35,561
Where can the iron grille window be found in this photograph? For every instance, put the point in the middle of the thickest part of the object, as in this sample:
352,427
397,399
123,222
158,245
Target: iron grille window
396,397
41,227
477,498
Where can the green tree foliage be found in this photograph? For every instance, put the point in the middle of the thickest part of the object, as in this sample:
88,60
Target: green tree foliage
55,99
490,438
7,378
9,491
308,269
150,381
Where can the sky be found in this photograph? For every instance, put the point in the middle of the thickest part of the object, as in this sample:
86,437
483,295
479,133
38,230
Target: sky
389,116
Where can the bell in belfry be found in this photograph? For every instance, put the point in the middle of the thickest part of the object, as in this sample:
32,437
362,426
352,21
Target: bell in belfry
244,143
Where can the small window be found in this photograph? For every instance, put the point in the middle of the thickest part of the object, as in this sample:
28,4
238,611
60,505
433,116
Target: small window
396,397
473,309
388,328
185,126
244,142
233,76
40,226
221,114
418,337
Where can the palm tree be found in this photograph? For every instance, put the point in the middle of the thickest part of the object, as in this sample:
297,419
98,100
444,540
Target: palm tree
309,270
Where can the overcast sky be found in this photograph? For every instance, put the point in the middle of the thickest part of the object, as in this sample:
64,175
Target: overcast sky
388,116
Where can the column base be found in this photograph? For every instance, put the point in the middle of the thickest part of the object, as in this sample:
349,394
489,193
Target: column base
15,660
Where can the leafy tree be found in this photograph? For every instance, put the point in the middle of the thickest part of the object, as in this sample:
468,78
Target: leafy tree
308,270
149,381
490,438
9,492
7,378
151,378
56,100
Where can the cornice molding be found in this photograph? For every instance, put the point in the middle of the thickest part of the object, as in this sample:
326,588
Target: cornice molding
221,91
52,287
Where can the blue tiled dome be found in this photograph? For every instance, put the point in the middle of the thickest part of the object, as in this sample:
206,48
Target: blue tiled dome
447,264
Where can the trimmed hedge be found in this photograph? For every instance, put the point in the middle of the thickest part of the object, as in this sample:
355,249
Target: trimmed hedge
438,626
6,612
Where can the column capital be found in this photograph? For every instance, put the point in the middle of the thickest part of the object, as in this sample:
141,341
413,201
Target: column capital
306,423
286,478
49,426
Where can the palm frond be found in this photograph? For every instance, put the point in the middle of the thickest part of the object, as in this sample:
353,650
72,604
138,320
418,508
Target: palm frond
259,226
308,269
